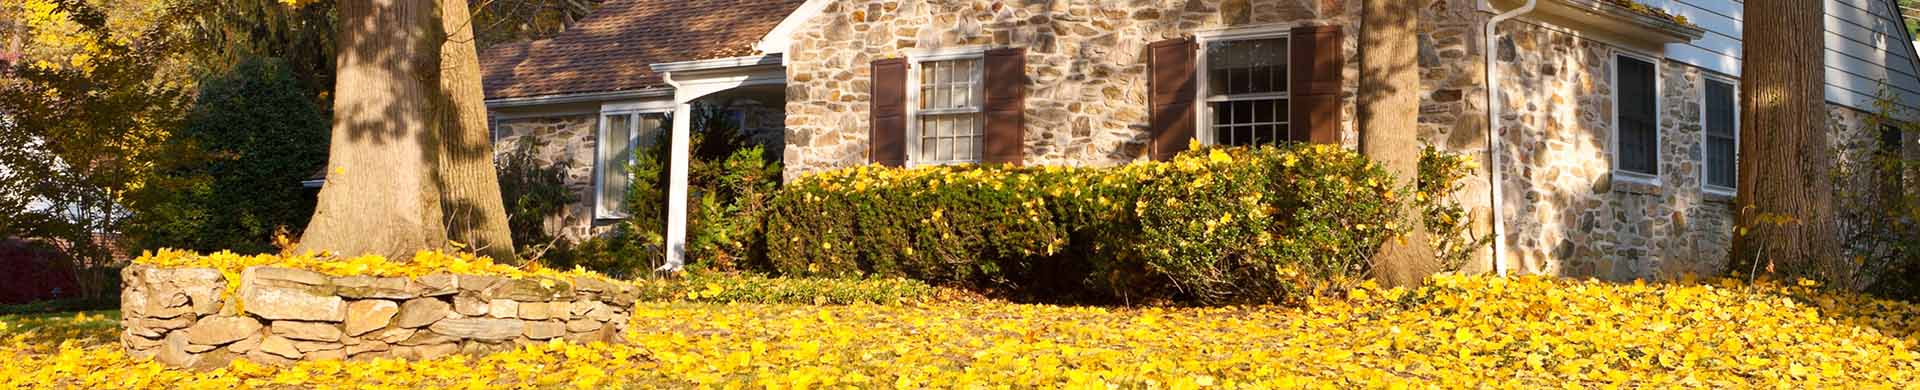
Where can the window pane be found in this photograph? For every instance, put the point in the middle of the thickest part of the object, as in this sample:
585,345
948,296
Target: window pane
1637,116
944,134
1249,121
1720,145
1889,139
965,126
650,127
963,148
1246,66
616,148
1720,165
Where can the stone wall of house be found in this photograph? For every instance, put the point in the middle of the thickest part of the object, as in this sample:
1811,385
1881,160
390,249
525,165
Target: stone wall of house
184,317
1566,214
1086,63
566,142
1453,100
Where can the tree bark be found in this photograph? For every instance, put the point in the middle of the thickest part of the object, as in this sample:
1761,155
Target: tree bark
1785,222
381,195
1388,109
477,216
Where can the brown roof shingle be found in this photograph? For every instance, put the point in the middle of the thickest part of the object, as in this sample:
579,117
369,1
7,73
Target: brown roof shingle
611,49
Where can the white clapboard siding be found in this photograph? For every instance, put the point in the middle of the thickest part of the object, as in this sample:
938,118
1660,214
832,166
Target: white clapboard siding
1867,47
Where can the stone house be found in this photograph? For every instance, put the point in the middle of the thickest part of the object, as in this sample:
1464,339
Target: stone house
1613,131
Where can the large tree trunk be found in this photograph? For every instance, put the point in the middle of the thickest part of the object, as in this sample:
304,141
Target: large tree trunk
411,164
381,195
1785,218
1389,103
476,215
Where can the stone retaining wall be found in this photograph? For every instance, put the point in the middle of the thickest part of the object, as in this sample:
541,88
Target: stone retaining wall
183,316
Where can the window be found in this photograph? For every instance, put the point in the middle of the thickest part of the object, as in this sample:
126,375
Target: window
947,118
1722,142
1890,140
1245,89
620,135
1636,105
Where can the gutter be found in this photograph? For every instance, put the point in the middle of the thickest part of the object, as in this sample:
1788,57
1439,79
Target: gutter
1493,130
717,63
577,98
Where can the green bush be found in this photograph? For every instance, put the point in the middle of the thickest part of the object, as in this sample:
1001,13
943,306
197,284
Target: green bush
731,181
1269,224
252,136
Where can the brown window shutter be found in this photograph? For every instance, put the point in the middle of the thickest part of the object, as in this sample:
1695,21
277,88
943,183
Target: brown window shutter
1006,100
888,137
1316,61
1170,120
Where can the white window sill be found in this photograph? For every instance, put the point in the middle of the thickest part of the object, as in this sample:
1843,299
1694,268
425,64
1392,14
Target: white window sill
1635,183
1717,194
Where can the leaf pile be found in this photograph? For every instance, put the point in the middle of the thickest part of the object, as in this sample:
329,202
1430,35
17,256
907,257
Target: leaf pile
1454,332
421,264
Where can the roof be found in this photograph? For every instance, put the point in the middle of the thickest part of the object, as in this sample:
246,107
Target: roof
611,49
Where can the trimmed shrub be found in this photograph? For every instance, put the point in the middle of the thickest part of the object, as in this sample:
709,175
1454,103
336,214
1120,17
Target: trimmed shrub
1268,224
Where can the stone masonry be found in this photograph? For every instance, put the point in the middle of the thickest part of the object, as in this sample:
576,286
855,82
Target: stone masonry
1565,213
1086,64
184,317
567,142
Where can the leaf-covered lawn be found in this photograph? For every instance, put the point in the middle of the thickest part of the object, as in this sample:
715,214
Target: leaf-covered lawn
1457,332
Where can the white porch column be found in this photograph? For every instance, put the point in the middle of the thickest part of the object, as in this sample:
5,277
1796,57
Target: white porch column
681,147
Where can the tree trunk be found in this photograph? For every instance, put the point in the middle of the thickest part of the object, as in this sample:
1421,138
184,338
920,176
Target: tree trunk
1785,221
1388,109
381,195
471,197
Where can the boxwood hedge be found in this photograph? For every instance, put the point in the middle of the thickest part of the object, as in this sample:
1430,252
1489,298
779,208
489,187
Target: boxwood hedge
1214,225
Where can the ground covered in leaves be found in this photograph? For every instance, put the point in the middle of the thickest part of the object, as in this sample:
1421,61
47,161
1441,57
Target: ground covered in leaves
1455,332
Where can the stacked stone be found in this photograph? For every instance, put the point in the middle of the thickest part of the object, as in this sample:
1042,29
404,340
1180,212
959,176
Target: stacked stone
181,317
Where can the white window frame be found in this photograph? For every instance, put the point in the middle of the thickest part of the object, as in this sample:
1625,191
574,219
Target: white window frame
634,110
1203,118
1659,91
1709,188
917,57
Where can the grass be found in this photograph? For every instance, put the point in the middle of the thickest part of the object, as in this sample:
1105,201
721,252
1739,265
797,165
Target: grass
83,328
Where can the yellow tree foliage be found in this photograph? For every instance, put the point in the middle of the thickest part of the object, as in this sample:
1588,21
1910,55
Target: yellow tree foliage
53,40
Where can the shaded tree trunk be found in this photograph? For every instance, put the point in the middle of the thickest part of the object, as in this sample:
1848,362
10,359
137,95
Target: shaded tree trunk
1785,220
1388,109
381,195
476,213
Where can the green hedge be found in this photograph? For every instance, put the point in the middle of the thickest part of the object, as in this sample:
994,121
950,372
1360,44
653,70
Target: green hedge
1211,226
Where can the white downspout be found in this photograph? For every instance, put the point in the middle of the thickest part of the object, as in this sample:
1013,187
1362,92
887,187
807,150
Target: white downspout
680,147
1493,130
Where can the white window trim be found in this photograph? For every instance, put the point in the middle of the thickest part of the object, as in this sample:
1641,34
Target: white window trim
600,209
1613,148
914,59
1203,113
1709,188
